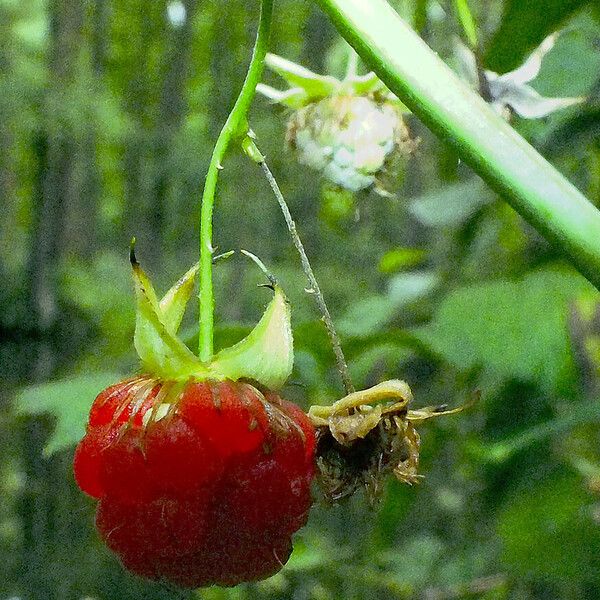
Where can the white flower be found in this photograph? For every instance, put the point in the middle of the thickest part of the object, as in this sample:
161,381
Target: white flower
509,92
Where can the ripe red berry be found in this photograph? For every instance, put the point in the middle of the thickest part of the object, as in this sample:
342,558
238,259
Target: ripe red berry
199,483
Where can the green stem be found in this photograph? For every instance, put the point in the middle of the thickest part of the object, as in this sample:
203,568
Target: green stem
490,145
235,128
465,16
336,344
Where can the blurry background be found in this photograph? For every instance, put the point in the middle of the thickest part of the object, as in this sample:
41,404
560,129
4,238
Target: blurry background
108,111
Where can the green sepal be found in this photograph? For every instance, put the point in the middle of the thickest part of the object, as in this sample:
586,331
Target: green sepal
266,355
292,98
175,300
308,87
366,84
297,76
161,352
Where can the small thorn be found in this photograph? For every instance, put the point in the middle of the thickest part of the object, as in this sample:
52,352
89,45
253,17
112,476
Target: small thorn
220,166
132,258
309,290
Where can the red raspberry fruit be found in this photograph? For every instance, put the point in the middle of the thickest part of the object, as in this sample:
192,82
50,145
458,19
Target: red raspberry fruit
199,483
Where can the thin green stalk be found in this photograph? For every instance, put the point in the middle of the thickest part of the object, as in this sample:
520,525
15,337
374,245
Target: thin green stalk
420,15
252,151
236,126
315,289
465,16
490,145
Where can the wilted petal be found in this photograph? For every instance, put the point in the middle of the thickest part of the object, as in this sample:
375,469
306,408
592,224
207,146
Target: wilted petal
524,100
530,69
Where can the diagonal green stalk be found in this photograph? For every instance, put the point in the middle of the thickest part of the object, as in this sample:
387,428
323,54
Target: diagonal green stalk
315,289
465,16
235,127
252,151
455,113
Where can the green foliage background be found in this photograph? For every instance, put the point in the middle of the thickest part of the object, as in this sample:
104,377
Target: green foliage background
108,112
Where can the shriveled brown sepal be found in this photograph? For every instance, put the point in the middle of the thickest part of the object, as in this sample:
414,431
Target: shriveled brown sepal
366,436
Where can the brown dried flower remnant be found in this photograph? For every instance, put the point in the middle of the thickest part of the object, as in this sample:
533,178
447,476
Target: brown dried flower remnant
368,435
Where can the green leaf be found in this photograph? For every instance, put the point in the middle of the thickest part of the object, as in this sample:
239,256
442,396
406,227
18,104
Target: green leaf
415,561
337,204
401,258
548,530
467,21
68,400
372,313
452,205
576,53
405,288
367,315
311,554
580,414
524,25
385,359
512,329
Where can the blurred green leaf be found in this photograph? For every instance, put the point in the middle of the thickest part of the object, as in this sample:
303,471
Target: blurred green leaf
467,21
371,313
578,40
452,205
414,562
69,401
337,205
524,26
548,530
512,329
367,315
401,258
382,358
311,337
405,288
103,291
572,416
311,554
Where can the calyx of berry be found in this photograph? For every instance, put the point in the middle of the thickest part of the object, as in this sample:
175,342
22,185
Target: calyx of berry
368,435
307,87
264,356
